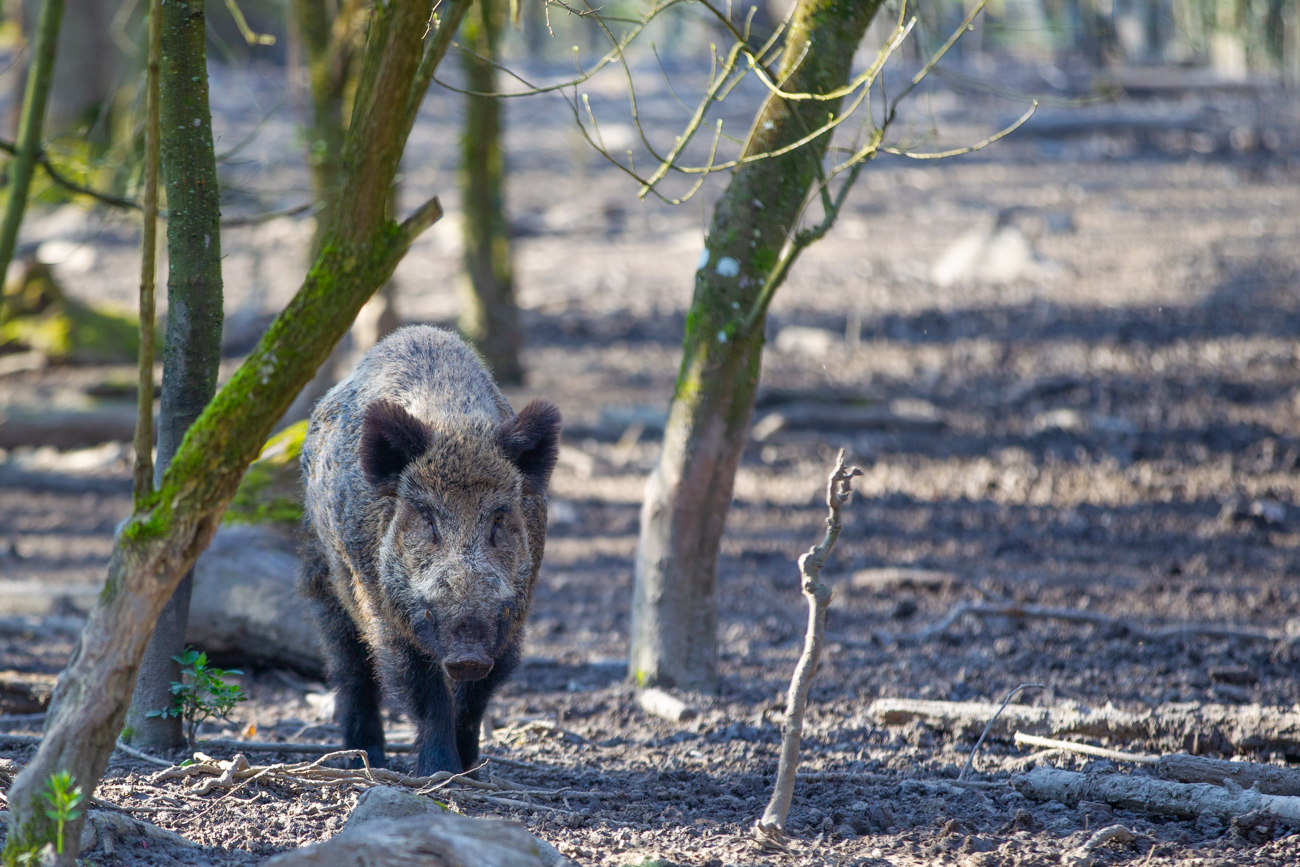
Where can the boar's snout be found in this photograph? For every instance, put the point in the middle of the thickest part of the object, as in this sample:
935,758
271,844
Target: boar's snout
467,666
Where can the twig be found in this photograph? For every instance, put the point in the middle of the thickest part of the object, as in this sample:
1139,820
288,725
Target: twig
770,829
144,757
267,216
970,760
1086,749
1094,618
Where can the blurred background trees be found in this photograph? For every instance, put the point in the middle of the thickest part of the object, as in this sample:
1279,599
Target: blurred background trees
489,314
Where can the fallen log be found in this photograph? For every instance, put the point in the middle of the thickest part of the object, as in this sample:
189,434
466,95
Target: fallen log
66,429
1156,797
1182,768
1271,779
1016,611
1194,728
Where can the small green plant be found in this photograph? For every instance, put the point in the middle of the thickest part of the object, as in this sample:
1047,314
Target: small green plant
201,694
63,796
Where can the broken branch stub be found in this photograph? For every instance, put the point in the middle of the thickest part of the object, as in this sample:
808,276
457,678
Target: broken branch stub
770,829
664,705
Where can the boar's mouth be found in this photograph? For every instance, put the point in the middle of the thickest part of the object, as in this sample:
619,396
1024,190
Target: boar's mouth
463,660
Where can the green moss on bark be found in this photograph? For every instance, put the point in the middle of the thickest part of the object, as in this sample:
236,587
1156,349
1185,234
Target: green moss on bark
271,490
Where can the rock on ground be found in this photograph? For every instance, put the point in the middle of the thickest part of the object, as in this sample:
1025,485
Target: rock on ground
435,839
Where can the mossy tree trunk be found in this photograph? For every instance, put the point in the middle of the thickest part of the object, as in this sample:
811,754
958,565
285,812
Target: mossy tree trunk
489,315
35,98
675,606
166,534
192,352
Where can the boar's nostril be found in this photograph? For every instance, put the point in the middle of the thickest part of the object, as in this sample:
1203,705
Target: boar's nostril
467,667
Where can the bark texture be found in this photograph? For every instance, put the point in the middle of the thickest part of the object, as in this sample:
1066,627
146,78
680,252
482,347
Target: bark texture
489,315
675,608
192,353
162,539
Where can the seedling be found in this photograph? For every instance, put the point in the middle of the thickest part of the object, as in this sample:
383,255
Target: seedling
201,694
63,798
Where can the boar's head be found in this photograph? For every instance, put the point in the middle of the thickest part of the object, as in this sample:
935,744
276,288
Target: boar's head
455,563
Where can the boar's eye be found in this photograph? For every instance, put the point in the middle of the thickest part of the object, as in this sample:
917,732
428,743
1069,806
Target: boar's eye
497,533
434,536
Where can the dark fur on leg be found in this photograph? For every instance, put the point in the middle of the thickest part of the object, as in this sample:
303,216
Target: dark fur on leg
423,687
348,667
351,672
472,699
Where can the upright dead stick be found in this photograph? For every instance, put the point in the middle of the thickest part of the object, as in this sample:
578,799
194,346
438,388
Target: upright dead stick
148,257
770,830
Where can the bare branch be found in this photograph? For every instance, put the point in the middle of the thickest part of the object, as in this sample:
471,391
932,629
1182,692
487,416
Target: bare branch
770,829
943,155
1085,749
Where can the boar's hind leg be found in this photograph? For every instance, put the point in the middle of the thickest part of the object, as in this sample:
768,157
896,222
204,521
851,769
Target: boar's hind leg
351,672
471,703
430,704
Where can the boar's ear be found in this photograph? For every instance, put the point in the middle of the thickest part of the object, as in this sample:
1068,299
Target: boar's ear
532,441
390,439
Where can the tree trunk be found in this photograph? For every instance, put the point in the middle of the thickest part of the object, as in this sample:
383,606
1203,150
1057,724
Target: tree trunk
192,353
35,98
88,71
489,316
164,537
331,68
331,63
674,607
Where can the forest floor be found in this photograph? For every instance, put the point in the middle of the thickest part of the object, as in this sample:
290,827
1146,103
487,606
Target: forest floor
1111,429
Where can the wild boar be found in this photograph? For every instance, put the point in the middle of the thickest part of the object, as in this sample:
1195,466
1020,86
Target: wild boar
425,526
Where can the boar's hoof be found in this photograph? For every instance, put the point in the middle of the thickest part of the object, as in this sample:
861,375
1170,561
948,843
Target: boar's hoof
467,667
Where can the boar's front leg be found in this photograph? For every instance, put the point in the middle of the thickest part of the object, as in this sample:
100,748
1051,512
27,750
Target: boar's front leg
471,703
430,704
351,672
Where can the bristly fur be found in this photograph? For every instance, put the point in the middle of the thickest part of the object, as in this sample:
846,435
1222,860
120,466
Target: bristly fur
426,523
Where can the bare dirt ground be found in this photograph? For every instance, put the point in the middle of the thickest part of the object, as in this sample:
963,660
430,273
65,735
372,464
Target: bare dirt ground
1112,430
